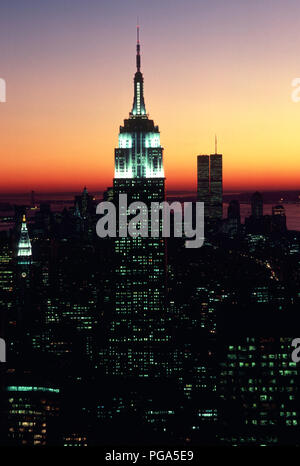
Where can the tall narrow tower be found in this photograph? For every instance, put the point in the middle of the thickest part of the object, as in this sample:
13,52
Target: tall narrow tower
23,259
203,194
210,184
22,308
216,187
137,330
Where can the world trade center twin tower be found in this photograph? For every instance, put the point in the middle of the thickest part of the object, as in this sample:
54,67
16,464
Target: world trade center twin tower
210,185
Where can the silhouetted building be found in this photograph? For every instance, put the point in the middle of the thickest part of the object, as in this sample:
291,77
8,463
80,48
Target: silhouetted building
85,203
32,199
257,205
258,223
216,187
203,191
108,194
232,224
233,211
278,219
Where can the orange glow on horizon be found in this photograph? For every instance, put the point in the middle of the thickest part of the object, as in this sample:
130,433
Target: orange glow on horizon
60,124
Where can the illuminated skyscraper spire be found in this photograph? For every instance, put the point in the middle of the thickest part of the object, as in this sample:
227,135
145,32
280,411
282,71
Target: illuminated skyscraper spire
139,154
138,108
24,246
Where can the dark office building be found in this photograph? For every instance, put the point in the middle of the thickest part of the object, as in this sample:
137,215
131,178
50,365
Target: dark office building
203,193
84,203
233,211
257,205
232,224
278,218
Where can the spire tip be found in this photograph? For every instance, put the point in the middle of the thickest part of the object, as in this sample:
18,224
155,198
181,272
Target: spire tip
138,55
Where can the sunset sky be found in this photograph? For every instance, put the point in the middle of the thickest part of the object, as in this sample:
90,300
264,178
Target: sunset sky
210,66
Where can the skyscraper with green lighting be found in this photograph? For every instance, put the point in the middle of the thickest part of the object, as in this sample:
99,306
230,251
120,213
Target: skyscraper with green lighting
138,325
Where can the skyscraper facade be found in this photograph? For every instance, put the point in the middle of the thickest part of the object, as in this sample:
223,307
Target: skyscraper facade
203,182
137,328
216,187
278,218
257,205
210,185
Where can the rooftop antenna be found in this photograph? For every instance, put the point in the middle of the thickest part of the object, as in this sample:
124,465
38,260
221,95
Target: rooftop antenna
216,144
138,48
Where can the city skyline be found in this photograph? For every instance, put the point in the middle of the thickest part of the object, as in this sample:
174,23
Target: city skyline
223,83
149,281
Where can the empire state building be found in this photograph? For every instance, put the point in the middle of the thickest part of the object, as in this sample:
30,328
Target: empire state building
139,155
137,332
